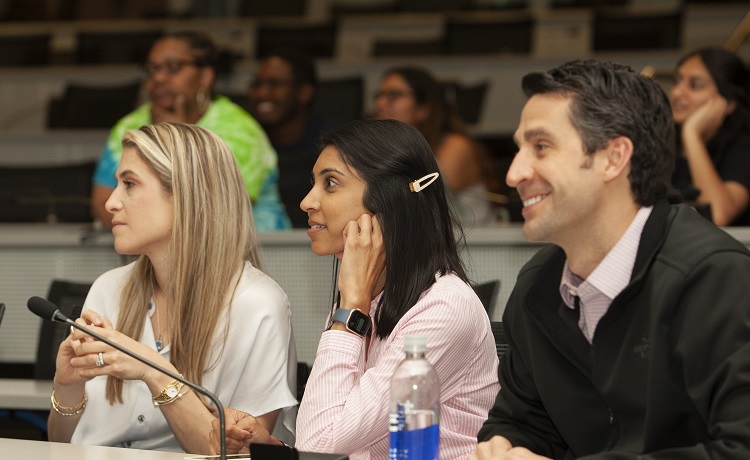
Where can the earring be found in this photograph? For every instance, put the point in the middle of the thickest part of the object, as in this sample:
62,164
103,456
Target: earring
200,98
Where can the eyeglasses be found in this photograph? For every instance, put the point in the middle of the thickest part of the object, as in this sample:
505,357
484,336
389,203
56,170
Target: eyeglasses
392,95
271,83
170,67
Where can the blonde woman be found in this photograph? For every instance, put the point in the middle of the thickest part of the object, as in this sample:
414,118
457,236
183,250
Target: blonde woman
194,302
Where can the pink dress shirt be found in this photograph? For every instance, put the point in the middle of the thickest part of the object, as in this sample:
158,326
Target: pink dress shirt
346,402
608,279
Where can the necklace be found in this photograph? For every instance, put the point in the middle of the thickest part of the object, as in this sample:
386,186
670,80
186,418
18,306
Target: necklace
159,340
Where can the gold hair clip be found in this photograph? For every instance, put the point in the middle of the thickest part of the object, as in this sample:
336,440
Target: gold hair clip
422,183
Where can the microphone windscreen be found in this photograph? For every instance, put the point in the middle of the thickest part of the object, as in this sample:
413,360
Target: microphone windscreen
42,307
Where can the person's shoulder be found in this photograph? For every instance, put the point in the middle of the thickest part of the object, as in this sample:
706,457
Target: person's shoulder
257,290
115,275
692,238
452,292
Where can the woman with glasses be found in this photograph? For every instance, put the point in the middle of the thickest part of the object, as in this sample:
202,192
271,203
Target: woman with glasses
180,74
711,107
412,95
195,302
379,205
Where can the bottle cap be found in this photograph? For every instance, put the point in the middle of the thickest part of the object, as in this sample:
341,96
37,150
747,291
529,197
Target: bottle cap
415,343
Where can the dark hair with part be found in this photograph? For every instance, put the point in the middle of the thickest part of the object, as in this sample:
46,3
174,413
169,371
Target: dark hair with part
610,100
420,232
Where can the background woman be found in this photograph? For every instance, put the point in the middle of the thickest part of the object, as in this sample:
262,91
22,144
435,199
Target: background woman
180,75
711,107
412,95
401,269
194,302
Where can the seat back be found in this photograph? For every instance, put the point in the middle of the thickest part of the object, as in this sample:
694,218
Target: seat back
114,47
501,344
340,99
25,50
319,40
513,34
46,193
620,30
91,107
69,298
487,293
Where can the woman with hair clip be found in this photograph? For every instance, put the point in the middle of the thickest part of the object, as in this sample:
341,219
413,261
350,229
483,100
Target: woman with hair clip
195,302
180,72
412,95
711,107
378,205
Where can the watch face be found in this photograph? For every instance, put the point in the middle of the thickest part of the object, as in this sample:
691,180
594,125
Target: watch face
358,322
172,392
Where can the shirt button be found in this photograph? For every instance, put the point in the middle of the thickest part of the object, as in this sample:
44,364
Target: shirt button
141,418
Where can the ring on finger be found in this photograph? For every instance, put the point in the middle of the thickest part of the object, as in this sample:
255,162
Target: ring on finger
72,329
100,359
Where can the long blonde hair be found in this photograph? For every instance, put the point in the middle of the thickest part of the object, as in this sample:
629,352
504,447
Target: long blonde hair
212,235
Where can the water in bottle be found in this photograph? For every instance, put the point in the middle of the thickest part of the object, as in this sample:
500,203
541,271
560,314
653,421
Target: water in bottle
415,405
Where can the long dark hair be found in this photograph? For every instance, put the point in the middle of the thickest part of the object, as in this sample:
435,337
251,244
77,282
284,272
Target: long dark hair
420,232
732,79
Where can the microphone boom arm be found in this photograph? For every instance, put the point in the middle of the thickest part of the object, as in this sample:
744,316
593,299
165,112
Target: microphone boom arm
59,317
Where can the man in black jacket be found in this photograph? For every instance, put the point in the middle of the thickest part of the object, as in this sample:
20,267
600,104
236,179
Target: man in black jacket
630,334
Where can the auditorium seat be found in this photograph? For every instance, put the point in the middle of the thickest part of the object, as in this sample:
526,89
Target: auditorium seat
257,8
619,29
318,39
24,50
505,32
114,47
91,107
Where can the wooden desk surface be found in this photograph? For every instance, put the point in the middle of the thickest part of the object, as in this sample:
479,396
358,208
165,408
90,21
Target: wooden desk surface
42,450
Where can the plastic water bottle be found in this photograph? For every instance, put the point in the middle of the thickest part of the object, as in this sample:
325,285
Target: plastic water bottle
415,405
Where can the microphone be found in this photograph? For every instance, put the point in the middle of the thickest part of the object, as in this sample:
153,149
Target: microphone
47,310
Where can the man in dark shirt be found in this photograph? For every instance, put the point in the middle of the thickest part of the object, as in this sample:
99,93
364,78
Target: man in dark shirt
281,98
629,335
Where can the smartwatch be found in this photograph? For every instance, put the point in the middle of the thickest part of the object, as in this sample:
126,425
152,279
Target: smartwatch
354,320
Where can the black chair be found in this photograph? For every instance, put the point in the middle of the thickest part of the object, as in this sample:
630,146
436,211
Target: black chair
319,40
393,48
2,312
424,6
340,99
513,34
468,99
294,184
69,297
487,293
24,50
92,107
46,194
501,344
114,47
622,30
255,8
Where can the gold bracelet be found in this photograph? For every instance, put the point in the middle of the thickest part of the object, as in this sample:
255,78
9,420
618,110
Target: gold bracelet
68,411
179,395
168,394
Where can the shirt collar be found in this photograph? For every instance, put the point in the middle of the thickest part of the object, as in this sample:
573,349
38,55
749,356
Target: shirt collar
613,273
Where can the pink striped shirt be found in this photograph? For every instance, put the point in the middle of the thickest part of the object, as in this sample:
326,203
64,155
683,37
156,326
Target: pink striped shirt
346,402
608,279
